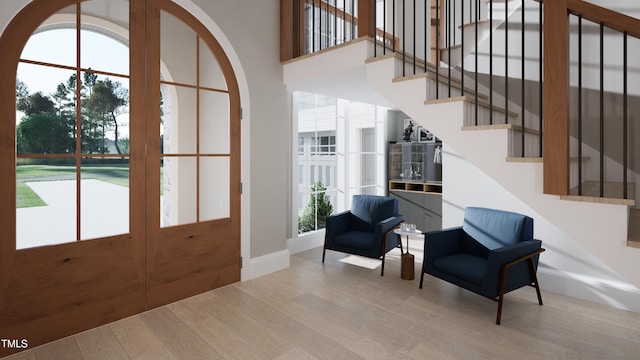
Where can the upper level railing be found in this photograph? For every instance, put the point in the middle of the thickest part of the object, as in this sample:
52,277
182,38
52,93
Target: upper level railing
493,52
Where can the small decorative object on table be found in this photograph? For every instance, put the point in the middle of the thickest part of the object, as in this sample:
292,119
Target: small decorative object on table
408,131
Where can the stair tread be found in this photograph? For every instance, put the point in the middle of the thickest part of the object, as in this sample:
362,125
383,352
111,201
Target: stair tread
479,22
495,107
600,200
498,127
431,74
591,190
526,159
452,47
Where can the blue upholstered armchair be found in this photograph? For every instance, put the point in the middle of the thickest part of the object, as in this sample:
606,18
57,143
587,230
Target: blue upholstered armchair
366,229
491,254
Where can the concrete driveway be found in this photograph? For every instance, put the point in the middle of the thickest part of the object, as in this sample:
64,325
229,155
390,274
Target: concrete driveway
105,212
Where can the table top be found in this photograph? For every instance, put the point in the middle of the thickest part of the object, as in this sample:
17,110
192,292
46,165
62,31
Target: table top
408,233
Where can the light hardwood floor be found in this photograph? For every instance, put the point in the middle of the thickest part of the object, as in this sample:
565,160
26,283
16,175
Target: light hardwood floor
341,311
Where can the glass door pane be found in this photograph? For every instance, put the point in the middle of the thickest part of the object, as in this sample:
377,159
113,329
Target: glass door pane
178,193
214,122
45,202
72,134
195,129
214,188
179,120
104,194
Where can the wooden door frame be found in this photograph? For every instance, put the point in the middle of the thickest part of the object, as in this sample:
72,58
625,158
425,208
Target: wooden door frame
124,259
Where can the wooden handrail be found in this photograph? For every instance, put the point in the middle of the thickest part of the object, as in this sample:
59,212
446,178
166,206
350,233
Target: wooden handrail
597,14
609,18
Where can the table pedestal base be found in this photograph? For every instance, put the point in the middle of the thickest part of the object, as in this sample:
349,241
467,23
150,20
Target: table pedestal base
407,266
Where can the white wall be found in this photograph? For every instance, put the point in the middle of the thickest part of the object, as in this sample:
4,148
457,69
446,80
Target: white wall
253,31
9,10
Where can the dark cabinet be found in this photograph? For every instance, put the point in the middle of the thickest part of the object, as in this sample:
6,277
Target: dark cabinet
422,209
415,179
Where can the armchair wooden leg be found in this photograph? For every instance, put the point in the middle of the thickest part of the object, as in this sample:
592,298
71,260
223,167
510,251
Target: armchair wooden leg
421,278
324,250
499,308
384,248
503,279
535,280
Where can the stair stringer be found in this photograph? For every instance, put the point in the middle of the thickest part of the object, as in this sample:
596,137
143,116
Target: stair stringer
599,229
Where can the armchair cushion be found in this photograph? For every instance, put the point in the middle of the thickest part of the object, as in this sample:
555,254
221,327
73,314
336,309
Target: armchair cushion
466,267
356,239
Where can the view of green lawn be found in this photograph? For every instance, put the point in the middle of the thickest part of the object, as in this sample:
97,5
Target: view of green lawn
117,174
25,197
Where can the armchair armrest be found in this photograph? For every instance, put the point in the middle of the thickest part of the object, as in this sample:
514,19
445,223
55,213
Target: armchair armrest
388,224
441,243
509,256
502,256
337,224
382,228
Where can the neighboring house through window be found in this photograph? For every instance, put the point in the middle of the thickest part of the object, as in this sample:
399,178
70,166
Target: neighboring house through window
341,152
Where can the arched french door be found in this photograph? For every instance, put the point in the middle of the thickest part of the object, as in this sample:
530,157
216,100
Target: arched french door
133,161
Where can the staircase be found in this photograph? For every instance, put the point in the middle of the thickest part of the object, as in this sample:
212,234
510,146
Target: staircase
601,225
497,15
487,20
449,119
480,82
591,241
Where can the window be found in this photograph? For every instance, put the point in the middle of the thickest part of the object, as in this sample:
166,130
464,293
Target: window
323,145
341,151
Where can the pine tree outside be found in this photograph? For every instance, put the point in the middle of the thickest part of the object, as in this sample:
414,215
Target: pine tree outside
317,210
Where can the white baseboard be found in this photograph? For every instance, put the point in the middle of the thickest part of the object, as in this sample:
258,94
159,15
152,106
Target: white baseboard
306,242
618,295
266,264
